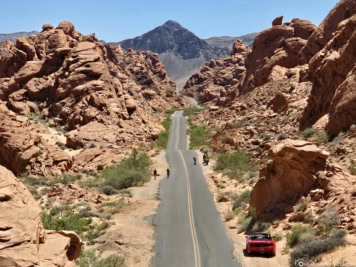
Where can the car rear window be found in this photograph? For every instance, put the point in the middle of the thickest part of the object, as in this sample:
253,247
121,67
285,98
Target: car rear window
260,237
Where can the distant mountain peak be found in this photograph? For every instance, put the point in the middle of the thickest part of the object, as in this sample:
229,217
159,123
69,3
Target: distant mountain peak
172,24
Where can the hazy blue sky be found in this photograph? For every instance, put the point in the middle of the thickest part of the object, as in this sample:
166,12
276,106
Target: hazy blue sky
115,20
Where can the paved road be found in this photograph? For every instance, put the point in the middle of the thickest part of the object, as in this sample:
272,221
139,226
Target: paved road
189,230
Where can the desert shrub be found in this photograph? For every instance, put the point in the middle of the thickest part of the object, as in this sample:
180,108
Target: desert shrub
340,263
308,132
96,232
352,169
199,135
282,136
229,216
163,137
132,171
87,213
112,207
61,145
266,137
301,206
294,237
234,165
309,250
88,258
250,223
241,124
65,179
170,111
321,137
108,190
222,197
126,192
277,236
335,141
63,218
309,218
191,111
328,221
241,200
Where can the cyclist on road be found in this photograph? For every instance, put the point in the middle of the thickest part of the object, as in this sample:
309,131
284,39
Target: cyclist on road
155,173
195,160
168,173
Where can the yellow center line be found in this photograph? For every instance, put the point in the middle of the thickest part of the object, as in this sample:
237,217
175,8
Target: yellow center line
191,217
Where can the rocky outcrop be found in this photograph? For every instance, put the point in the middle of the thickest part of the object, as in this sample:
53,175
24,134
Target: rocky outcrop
325,32
277,21
24,242
333,74
23,150
218,79
291,173
277,46
77,81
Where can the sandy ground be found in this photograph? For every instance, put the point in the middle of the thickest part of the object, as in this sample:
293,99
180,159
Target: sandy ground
132,234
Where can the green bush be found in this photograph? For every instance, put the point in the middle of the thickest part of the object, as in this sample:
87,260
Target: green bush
222,197
88,258
132,171
328,221
170,111
301,206
321,137
282,136
191,111
308,132
65,179
108,190
250,223
241,200
294,237
63,218
234,165
199,135
309,250
163,137
352,169
96,232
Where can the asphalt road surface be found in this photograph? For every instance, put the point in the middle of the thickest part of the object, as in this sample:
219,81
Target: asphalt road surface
189,230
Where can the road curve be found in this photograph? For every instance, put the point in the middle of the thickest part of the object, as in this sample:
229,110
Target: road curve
189,230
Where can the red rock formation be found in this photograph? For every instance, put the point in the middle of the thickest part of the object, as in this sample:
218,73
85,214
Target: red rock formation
289,175
333,74
77,81
24,242
277,21
324,33
277,46
218,79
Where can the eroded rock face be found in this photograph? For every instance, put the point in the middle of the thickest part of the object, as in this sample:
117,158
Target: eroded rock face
289,175
277,46
24,242
23,149
76,81
333,73
218,79
324,33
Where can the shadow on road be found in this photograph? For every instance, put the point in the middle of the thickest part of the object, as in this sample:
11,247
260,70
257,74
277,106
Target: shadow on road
256,255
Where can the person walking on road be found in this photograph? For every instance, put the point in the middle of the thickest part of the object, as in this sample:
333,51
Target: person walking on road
168,173
155,173
195,160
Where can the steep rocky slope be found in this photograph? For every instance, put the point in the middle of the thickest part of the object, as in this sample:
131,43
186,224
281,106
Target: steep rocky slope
181,51
97,94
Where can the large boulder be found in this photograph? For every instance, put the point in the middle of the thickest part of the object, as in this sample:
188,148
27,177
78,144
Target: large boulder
24,241
290,174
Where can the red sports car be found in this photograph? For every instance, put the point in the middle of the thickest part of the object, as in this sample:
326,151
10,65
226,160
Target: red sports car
260,243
